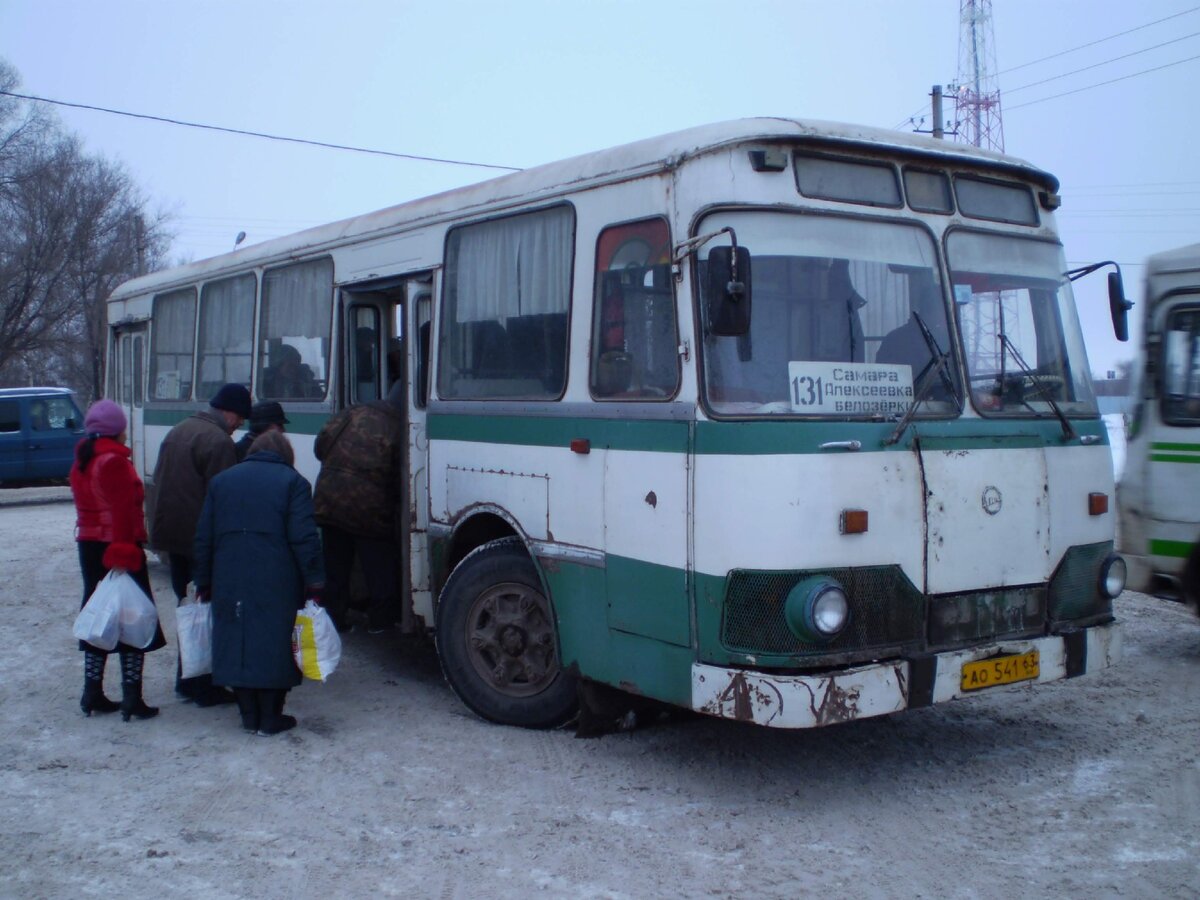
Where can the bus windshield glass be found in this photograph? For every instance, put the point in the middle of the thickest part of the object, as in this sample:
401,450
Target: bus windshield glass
1021,337
1181,368
848,320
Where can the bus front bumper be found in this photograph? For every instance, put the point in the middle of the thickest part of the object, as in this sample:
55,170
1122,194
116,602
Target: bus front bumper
810,701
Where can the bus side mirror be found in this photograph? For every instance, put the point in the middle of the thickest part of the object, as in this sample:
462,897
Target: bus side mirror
1118,306
728,291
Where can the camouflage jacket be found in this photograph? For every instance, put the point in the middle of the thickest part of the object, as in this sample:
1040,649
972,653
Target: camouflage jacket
361,450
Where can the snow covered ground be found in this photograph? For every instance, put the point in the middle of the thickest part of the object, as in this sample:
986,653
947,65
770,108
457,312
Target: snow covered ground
389,787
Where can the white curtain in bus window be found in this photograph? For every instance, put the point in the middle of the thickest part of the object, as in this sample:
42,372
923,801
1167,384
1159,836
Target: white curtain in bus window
171,345
507,293
226,333
634,336
297,314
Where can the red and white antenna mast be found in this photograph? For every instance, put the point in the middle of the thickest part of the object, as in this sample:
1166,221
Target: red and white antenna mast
976,91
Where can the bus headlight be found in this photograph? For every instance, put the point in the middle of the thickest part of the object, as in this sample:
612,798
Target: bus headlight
1112,576
817,609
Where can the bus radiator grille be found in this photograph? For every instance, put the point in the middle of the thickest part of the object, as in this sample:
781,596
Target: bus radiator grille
1075,593
885,610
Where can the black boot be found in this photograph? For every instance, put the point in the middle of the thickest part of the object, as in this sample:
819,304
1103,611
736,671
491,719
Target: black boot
132,705
93,699
247,701
270,718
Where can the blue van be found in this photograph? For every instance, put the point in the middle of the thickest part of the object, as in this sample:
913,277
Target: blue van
39,428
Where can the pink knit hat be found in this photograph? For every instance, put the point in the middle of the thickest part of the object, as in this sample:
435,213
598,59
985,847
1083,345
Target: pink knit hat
104,417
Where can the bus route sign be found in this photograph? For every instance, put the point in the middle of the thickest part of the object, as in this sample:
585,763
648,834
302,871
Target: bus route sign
831,388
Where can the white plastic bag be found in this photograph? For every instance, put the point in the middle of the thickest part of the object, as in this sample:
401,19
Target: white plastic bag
194,621
139,619
315,642
99,622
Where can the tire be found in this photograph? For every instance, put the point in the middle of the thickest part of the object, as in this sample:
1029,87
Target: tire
497,641
1190,580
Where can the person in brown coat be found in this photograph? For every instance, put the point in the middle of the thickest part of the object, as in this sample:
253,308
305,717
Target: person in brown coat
358,490
193,453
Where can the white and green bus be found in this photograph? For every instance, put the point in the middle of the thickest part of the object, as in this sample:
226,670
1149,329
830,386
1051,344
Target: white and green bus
780,421
1159,493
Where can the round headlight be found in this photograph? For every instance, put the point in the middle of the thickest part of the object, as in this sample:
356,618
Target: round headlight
1112,576
817,609
830,611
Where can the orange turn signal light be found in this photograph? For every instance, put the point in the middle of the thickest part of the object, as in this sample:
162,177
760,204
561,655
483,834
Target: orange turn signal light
1097,504
853,521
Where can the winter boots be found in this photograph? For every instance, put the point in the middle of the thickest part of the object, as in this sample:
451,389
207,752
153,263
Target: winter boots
247,701
93,699
271,719
132,705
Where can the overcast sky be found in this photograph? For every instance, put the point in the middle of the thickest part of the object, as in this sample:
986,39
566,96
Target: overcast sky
530,81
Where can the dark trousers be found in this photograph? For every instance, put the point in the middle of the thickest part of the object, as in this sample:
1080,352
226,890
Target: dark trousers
377,557
181,575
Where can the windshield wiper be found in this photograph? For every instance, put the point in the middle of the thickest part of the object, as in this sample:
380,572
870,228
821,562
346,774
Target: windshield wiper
939,363
1042,387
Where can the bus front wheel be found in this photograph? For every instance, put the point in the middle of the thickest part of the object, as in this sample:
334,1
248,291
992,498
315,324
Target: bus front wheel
496,640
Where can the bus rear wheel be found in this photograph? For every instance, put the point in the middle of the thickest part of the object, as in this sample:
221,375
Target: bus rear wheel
496,640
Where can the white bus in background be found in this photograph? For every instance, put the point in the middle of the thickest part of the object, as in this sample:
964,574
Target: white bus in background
779,421
1159,492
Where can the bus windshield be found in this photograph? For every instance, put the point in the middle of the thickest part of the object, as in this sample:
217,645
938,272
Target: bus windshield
1021,337
848,320
1181,368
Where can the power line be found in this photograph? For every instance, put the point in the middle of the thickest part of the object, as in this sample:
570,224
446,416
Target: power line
1102,40
1102,83
1105,62
257,134
1099,41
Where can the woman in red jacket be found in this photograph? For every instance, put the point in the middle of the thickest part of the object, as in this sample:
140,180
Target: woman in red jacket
110,529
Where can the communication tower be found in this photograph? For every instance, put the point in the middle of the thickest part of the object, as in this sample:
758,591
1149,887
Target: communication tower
978,122
976,89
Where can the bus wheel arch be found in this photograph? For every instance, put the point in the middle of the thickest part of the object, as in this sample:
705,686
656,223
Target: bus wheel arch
497,638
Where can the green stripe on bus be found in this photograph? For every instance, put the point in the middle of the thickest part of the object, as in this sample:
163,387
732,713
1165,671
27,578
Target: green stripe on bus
1163,445
543,431
792,436
1173,458
1176,549
298,423
747,438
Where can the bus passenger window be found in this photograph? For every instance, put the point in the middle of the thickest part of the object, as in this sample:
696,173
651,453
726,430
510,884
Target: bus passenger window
296,317
508,289
171,340
634,334
226,334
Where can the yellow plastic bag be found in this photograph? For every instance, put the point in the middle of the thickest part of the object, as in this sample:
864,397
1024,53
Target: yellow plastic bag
315,642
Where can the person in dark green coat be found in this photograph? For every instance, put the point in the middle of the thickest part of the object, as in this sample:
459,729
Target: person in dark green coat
257,558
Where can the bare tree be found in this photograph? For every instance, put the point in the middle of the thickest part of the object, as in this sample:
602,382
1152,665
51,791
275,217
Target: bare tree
72,227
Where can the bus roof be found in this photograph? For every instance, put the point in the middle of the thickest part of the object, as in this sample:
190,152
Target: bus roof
1181,259
614,164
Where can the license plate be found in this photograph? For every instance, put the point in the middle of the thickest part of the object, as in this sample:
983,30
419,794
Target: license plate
999,670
